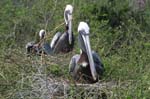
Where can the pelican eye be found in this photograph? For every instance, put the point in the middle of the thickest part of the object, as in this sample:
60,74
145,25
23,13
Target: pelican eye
83,32
68,12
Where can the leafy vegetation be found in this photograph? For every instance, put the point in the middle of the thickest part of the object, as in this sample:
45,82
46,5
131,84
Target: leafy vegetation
119,33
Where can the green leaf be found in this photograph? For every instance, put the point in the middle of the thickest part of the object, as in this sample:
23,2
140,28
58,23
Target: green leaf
147,44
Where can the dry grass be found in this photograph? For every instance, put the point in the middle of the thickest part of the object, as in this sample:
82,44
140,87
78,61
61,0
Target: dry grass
31,78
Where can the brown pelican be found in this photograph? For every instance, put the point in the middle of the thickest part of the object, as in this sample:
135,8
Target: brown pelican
35,47
86,66
64,42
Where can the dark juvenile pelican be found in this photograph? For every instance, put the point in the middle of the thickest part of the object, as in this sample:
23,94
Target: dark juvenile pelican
86,66
35,47
64,42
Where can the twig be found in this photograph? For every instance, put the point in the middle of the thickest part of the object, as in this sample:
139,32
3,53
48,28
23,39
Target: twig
51,15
